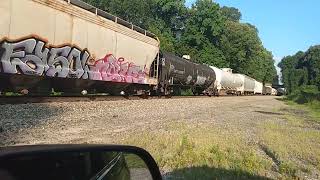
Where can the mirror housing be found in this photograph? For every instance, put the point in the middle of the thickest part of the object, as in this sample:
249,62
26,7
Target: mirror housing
9,154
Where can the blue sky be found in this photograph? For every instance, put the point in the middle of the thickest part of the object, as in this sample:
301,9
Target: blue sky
285,26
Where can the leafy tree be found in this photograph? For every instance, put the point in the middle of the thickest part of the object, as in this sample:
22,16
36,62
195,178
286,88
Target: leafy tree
243,49
165,34
168,18
276,80
312,64
288,65
231,13
172,12
301,69
202,31
136,11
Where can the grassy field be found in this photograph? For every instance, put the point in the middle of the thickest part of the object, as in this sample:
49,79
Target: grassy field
294,146
188,151
284,148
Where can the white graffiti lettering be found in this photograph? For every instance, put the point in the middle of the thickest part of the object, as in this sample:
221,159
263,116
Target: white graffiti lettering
32,57
201,80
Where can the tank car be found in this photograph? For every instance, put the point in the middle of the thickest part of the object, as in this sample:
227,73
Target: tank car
249,85
71,46
240,89
226,82
258,87
178,74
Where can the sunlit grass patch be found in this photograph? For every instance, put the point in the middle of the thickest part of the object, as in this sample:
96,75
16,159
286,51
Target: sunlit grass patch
295,146
205,172
294,120
312,109
182,146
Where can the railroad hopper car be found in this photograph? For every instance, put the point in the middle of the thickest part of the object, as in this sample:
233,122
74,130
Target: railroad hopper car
69,45
258,87
177,74
226,82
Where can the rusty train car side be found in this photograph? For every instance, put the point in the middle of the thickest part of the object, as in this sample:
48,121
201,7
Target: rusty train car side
69,45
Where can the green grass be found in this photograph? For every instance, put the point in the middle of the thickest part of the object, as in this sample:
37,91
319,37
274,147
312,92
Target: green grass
292,145
183,147
186,92
296,141
12,94
312,108
288,147
53,93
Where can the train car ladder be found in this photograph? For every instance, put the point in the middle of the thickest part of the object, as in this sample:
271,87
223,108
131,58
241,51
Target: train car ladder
156,68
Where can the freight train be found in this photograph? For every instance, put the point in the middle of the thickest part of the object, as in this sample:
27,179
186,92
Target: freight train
72,47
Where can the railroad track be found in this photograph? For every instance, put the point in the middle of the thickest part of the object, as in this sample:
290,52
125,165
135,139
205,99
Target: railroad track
50,99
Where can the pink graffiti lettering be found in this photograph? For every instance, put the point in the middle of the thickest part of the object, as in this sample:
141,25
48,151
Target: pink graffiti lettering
117,70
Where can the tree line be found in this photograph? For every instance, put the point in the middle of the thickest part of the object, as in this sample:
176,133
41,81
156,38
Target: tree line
209,33
302,71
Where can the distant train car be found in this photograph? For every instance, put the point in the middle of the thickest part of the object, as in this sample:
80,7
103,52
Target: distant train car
248,84
226,82
258,87
240,89
70,46
267,90
178,73
274,92
281,91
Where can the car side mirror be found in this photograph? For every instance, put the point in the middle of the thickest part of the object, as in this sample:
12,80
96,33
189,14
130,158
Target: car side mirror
77,162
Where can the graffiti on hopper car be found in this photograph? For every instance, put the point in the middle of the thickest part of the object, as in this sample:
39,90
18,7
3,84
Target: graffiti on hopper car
32,56
112,69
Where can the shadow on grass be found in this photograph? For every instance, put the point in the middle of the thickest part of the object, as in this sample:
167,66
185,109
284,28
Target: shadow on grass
206,172
282,99
23,117
269,113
